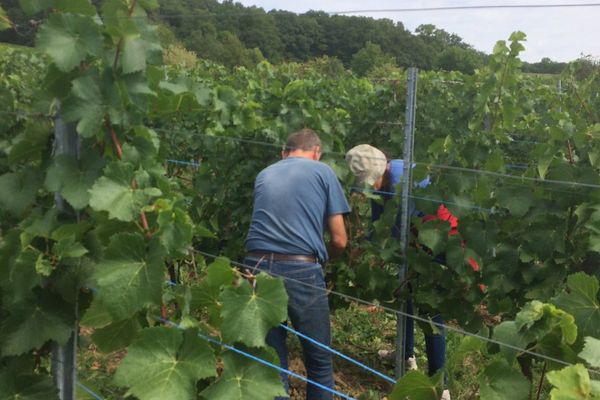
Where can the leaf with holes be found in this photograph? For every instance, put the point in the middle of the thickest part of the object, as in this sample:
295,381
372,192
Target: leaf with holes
219,274
165,363
246,379
131,275
113,193
248,313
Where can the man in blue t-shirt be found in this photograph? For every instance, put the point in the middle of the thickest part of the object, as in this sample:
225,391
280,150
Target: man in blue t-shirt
295,201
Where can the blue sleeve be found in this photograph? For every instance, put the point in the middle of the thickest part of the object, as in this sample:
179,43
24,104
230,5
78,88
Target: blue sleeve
336,199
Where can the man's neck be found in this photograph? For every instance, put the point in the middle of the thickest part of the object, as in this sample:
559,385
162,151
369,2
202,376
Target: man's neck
310,154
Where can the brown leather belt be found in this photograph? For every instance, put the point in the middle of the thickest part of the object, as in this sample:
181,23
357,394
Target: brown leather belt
284,257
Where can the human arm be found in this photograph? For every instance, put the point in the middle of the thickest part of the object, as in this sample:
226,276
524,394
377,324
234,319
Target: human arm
339,237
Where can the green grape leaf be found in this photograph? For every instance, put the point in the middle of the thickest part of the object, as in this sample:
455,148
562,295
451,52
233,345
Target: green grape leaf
149,4
113,193
26,386
517,200
75,7
570,383
18,268
133,57
96,316
31,145
73,179
434,235
416,386
591,351
69,38
131,275
175,230
249,314
246,379
5,23
34,6
34,322
85,105
165,363
219,274
508,332
499,381
582,303
19,190
116,335
69,248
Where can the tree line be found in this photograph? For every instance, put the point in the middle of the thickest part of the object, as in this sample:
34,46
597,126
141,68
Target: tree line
232,34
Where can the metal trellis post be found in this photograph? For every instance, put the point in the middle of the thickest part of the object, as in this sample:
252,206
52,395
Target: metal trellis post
409,133
66,142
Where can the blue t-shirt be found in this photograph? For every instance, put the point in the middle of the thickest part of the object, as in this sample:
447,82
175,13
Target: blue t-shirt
396,170
293,199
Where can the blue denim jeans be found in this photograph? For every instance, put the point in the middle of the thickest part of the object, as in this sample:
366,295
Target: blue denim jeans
435,345
308,311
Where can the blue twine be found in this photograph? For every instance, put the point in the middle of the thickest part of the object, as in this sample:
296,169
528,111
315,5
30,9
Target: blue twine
260,360
193,164
345,357
324,346
89,391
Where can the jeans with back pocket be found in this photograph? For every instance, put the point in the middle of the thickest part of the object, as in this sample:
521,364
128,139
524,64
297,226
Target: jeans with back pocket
308,311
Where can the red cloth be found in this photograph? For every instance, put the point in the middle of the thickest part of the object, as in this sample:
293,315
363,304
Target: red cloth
444,214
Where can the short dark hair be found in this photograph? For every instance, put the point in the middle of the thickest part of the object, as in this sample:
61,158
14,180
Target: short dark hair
305,139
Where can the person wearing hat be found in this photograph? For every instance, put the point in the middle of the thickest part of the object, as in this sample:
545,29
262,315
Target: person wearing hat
372,169
295,200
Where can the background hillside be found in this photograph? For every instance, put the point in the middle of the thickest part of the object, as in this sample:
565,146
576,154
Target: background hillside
232,34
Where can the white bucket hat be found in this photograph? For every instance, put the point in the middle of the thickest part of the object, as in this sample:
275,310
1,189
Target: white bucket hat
367,163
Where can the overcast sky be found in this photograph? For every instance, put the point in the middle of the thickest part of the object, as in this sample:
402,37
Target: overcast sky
563,34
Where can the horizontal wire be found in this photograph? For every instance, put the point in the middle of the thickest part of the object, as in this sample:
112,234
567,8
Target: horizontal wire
89,391
474,7
211,14
501,175
439,201
191,164
401,313
324,346
81,385
260,360
338,353
428,165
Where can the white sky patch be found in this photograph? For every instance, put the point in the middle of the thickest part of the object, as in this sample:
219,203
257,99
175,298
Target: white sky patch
562,34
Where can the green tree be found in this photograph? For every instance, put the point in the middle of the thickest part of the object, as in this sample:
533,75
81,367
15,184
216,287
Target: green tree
369,57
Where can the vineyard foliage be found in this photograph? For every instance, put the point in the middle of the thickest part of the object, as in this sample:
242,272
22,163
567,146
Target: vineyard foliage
90,237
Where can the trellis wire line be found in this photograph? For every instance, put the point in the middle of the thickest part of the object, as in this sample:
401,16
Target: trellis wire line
415,317
260,360
191,164
428,165
501,175
324,346
81,385
89,391
439,201
209,14
474,7
471,170
337,353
